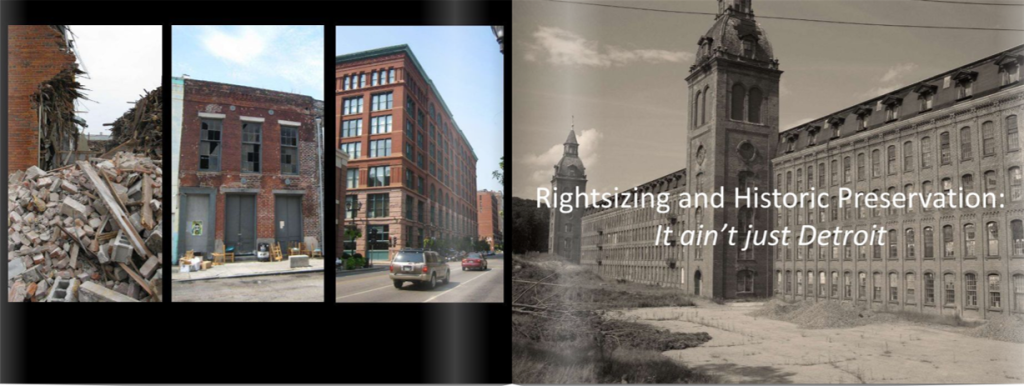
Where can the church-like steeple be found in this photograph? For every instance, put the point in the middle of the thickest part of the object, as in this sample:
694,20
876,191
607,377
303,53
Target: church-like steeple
570,176
571,146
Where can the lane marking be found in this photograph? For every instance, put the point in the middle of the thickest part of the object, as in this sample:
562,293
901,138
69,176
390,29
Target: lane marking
457,286
360,293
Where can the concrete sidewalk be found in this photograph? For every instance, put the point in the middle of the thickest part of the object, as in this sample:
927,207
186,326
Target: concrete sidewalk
246,269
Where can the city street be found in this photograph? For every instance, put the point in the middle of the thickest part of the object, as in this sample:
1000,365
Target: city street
465,286
303,287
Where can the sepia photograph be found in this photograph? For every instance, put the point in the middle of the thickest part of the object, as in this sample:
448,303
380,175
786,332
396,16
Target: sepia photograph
84,163
247,164
420,151
635,102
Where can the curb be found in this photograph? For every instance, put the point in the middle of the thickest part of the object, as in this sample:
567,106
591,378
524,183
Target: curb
375,268
249,275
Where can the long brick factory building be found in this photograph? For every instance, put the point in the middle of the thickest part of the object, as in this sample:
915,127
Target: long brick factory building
35,54
956,129
412,172
250,168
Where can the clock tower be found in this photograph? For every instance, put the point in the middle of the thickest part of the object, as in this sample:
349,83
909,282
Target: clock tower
564,230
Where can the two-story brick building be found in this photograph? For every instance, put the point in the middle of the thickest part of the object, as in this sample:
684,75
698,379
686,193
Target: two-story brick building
250,168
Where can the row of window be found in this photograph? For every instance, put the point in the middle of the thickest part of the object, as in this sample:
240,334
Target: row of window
745,105
378,206
930,297
377,78
378,102
210,147
379,176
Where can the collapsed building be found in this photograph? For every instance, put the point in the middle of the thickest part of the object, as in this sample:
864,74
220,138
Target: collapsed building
83,212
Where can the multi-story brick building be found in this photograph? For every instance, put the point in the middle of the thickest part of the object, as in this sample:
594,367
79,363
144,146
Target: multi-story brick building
250,167
35,54
958,129
489,217
955,130
340,166
412,172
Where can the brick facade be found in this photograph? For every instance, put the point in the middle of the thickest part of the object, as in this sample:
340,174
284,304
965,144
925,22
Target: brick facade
488,217
340,166
35,53
231,104
426,144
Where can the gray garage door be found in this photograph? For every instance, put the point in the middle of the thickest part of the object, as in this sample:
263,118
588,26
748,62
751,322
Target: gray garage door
197,229
288,219
240,223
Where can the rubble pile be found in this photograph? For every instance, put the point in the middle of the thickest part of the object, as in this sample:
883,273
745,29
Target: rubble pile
140,128
88,232
57,126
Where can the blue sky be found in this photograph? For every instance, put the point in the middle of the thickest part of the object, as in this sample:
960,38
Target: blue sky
466,67
281,58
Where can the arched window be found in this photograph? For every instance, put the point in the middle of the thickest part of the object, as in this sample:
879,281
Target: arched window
1014,177
894,290
992,236
949,288
835,284
929,289
965,143
967,182
699,182
1018,293
822,285
991,182
909,239
909,286
994,298
929,242
944,154
969,241
810,283
1017,238
908,156
1012,139
754,106
745,281
847,285
738,94
891,165
876,284
876,163
704,113
926,152
988,138
697,110
893,245
970,290
862,285
799,283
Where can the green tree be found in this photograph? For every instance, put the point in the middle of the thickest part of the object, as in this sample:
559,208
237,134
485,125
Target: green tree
353,233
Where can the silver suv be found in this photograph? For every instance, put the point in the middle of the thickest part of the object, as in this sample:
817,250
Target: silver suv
419,266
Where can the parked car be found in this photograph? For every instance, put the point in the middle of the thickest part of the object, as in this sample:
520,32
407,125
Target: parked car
418,266
474,261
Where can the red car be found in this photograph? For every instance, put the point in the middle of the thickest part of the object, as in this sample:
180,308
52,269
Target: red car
474,261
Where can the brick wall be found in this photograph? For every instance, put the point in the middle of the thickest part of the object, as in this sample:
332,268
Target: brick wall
35,53
235,102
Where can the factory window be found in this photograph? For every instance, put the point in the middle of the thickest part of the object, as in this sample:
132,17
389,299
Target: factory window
810,283
929,242
988,139
862,285
362,80
910,285
391,75
799,283
378,205
754,107
929,289
835,284
927,190
992,236
877,286
947,185
351,128
876,163
351,207
970,290
380,125
861,167
352,149
745,282
926,152
834,172
251,147
994,300
944,156
373,78
847,170
379,176
1018,293
891,165
351,106
909,240
969,241
908,156
847,285
893,245
810,177
1017,234
894,290
1012,139
949,286
965,144
347,83
821,175
209,145
289,150
967,183
991,182
383,101
822,284
738,94
380,148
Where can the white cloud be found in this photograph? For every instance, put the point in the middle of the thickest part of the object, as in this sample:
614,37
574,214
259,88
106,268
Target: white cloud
560,47
898,71
293,53
542,165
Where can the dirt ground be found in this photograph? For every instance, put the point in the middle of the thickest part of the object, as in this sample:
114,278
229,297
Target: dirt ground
747,349
301,287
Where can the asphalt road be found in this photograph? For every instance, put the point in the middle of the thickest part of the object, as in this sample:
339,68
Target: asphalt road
305,287
464,287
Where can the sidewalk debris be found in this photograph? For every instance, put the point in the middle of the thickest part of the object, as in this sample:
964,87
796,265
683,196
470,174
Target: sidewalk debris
92,222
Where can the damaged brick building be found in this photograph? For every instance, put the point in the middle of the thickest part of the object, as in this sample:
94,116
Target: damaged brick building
40,58
250,168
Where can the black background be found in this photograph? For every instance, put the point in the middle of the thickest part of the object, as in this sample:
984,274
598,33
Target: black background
257,342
